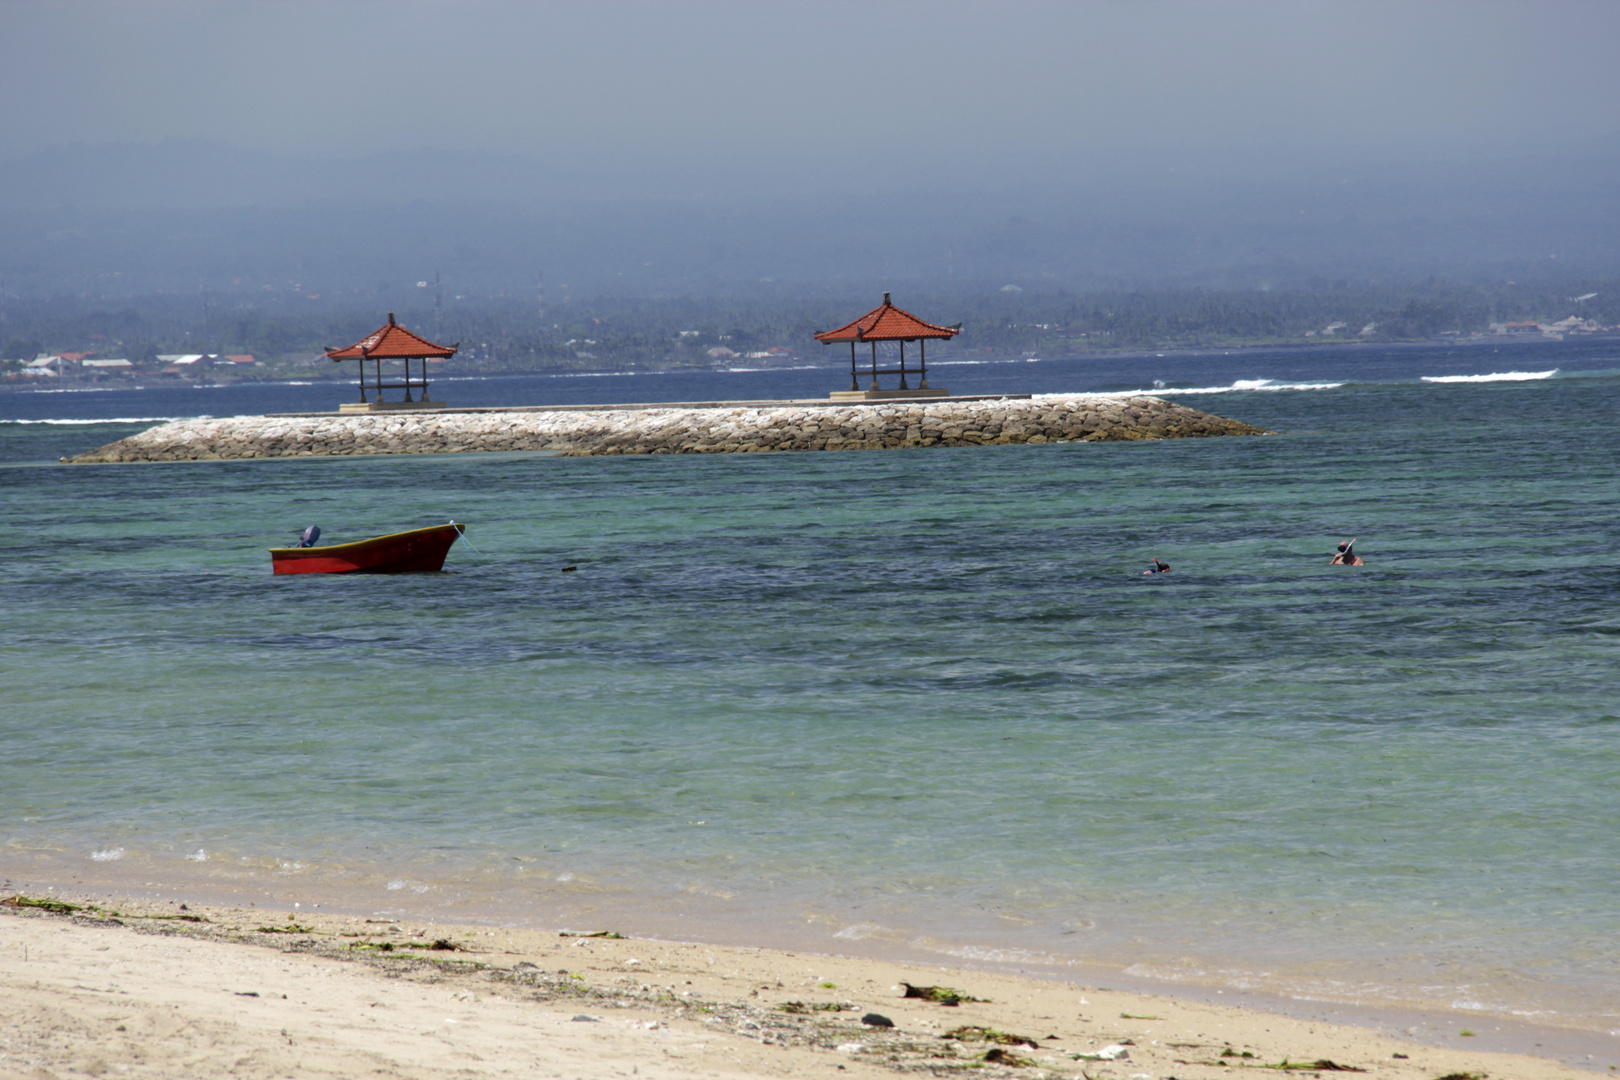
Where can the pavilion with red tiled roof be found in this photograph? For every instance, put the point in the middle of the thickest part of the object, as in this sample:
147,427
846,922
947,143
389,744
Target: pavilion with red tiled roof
393,342
889,323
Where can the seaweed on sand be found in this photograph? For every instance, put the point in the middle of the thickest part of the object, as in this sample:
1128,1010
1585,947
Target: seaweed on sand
55,907
975,1033
944,995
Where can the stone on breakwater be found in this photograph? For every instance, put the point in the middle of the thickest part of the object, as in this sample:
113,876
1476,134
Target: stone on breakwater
677,430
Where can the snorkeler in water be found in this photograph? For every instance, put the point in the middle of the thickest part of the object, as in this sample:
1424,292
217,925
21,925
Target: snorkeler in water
1158,567
1347,555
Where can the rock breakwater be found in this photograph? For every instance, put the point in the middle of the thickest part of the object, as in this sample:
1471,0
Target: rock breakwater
676,429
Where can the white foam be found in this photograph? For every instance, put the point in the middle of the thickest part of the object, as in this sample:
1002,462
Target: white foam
986,953
1495,376
108,855
110,420
86,390
1160,973
1242,386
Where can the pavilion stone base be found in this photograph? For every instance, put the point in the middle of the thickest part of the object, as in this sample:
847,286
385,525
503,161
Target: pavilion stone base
879,395
388,406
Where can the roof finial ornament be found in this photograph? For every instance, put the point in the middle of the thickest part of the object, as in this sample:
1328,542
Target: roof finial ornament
886,301
390,318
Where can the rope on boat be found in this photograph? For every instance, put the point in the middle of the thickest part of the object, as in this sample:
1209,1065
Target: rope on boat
461,531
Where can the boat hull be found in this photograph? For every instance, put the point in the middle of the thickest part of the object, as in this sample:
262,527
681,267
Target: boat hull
414,552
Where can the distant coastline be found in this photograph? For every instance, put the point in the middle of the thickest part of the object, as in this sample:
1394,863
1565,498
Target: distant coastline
277,336
274,374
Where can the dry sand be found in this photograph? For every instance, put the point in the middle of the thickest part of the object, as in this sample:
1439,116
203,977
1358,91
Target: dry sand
137,989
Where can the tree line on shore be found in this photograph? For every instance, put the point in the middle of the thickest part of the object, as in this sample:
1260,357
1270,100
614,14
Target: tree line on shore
504,333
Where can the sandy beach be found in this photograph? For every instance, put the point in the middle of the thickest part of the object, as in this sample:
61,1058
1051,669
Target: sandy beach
123,987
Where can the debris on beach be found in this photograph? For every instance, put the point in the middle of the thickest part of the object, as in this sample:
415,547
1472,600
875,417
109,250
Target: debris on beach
974,1033
1112,1052
943,995
803,1008
55,907
59,907
997,1056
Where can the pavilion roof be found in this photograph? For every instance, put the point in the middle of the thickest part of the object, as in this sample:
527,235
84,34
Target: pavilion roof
393,342
887,323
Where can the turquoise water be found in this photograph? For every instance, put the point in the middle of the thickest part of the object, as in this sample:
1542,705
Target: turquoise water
917,702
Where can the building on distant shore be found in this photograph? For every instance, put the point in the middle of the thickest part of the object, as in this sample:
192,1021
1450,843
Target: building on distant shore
53,363
1525,330
43,365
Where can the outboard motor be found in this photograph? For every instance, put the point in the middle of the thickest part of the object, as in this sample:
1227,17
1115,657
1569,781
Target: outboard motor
311,537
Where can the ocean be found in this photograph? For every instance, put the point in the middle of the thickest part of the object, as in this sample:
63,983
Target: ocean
911,703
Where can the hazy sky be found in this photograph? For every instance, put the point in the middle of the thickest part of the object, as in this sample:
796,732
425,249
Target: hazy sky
863,86
645,144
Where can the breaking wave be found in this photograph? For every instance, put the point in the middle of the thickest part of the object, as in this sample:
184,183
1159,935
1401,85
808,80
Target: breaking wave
110,420
1495,376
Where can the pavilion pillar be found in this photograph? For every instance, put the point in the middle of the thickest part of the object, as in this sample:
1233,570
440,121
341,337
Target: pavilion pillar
903,385
854,384
874,385
922,363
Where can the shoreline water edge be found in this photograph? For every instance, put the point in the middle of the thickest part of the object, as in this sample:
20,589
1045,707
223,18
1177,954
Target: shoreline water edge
731,427
149,987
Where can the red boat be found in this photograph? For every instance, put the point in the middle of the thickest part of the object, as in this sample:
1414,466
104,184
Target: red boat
413,552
